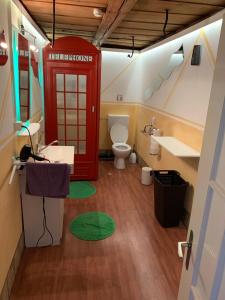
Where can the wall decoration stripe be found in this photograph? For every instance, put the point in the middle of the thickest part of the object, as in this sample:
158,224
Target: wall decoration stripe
183,67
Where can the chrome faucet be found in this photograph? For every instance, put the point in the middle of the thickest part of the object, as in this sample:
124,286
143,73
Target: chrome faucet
46,146
148,129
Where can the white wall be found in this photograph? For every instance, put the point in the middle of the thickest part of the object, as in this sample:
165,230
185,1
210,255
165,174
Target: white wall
120,76
185,94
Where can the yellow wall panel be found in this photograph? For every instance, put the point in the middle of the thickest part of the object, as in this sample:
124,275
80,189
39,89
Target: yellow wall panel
10,211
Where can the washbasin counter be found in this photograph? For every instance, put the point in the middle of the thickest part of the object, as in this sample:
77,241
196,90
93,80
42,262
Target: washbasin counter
59,154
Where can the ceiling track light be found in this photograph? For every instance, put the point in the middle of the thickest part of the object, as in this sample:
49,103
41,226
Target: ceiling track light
22,29
33,48
3,43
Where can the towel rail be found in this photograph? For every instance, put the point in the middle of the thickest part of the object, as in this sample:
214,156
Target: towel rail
16,165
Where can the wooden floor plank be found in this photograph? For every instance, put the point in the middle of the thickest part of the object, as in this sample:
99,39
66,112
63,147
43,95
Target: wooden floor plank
138,262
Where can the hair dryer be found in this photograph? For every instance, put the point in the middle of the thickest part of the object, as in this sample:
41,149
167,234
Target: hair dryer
26,152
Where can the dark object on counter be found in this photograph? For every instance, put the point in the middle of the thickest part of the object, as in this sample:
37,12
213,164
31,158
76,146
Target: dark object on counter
169,194
26,152
106,155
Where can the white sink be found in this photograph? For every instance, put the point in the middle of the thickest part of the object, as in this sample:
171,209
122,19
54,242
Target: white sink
59,154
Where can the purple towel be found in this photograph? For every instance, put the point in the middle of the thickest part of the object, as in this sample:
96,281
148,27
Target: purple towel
47,179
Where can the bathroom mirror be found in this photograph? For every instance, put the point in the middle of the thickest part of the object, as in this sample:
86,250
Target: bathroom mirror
34,63
24,82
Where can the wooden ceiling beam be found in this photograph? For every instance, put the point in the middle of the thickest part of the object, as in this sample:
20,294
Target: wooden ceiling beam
177,7
134,31
200,3
67,20
70,32
116,11
72,3
70,26
148,26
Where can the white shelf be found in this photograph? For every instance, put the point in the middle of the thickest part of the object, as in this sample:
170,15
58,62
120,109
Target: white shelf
176,147
33,128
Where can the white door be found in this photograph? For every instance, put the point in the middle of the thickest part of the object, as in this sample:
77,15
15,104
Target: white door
205,277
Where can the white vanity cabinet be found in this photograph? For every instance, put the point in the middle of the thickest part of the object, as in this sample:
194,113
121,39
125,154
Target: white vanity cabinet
32,206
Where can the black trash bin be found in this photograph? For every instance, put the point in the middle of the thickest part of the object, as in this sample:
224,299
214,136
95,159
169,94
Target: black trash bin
169,193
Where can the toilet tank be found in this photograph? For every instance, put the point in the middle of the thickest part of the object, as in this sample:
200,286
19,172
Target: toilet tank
122,119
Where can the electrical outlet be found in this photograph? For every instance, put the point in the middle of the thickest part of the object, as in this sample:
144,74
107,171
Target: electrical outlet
17,125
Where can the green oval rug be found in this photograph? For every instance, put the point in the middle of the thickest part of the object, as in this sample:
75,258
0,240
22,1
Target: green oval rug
81,189
92,226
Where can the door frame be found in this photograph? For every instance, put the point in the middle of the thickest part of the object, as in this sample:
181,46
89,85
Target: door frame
214,131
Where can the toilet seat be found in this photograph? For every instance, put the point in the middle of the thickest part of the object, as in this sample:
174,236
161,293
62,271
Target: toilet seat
119,133
122,147
119,136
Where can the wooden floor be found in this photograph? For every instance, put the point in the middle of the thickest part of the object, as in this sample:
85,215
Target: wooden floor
138,262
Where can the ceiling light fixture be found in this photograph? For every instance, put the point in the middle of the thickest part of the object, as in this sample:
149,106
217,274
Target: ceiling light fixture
22,29
3,43
32,46
97,12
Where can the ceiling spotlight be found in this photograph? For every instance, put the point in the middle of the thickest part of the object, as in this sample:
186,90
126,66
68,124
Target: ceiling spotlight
22,29
33,48
97,12
3,43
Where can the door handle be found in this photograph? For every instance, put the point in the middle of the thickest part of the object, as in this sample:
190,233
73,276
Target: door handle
188,245
93,108
180,250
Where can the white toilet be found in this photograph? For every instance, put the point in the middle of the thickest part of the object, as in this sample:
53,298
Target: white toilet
118,127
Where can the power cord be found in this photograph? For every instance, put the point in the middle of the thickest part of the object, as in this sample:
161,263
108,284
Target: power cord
35,157
166,21
23,126
45,227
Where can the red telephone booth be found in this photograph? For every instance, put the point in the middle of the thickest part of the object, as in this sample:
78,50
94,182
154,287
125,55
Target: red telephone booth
72,99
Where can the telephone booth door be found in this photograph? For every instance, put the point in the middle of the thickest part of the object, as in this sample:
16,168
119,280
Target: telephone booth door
72,83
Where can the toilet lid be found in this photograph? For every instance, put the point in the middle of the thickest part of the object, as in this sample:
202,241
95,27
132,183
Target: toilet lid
119,133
